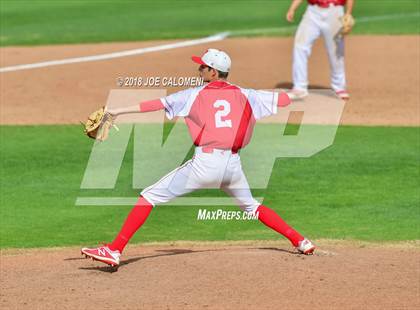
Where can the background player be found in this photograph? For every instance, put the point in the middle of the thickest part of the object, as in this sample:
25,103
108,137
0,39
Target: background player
322,17
220,117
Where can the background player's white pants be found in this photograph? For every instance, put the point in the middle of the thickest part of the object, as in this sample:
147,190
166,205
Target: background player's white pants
220,169
319,21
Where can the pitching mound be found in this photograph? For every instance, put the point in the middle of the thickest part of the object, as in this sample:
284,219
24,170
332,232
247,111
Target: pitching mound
263,276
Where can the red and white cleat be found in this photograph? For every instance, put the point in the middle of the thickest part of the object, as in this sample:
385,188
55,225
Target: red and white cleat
103,254
343,94
306,247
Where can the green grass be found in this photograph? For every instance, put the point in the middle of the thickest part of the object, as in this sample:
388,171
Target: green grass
364,187
38,22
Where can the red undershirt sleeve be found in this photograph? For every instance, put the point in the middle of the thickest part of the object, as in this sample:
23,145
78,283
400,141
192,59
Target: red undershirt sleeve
283,100
151,105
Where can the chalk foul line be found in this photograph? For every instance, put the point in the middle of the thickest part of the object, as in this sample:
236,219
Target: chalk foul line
138,51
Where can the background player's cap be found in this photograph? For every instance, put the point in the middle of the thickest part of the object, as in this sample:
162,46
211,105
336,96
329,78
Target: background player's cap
214,58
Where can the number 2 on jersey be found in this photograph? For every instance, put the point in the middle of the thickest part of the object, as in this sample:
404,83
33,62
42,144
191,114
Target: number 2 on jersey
222,113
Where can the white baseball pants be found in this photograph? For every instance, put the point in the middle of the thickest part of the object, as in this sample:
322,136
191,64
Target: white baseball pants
218,169
319,21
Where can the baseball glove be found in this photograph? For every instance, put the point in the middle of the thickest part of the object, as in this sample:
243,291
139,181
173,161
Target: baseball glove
98,125
347,22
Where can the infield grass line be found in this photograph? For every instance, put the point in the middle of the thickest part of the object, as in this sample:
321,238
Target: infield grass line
322,245
286,29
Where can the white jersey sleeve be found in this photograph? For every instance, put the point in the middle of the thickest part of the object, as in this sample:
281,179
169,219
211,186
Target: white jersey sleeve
263,103
180,103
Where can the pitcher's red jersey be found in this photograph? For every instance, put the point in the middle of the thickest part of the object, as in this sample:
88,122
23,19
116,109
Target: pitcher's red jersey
221,115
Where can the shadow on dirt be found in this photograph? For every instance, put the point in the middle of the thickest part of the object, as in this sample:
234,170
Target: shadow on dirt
277,249
171,252
289,85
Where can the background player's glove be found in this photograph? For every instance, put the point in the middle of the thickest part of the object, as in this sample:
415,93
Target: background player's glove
347,22
98,124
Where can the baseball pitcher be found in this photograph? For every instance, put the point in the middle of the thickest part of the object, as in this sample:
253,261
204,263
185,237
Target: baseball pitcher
220,118
330,19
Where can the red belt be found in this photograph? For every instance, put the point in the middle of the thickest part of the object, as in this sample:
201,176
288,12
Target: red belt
326,5
211,150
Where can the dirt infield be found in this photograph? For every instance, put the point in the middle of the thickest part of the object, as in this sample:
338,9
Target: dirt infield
383,76
259,276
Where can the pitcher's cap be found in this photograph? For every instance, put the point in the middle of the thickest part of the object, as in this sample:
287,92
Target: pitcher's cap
214,58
